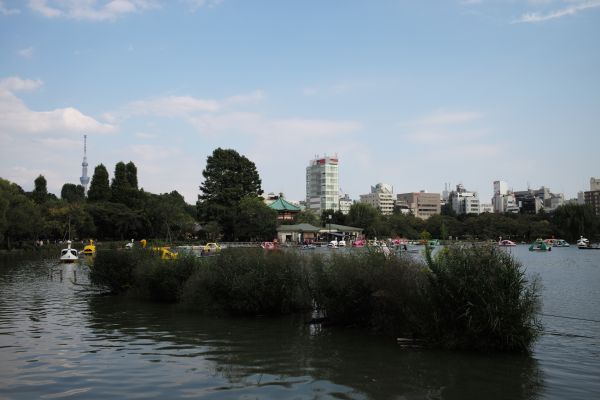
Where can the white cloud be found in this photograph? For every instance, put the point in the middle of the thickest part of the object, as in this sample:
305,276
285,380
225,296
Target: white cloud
211,117
254,124
172,106
575,7
253,97
444,127
444,117
17,118
27,52
16,84
90,9
8,11
197,4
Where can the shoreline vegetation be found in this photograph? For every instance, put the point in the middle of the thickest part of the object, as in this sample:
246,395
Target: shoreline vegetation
469,297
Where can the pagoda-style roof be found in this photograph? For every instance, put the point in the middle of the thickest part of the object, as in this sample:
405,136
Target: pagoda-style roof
281,205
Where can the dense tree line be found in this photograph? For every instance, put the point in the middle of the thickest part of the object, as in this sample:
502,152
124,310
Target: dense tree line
115,211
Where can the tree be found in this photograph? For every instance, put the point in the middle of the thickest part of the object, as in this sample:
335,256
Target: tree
120,187
228,178
40,191
256,221
19,216
337,217
306,217
117,221
574,220
448,210
99,188
72,193
168,214
365,216
131,171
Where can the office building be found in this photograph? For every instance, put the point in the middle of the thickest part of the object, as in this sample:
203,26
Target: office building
381,197
463,201
421,204
322,184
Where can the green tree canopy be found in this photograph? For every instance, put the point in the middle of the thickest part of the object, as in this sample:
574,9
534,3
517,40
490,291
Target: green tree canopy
337,217
256,221
131,171
99,188
228,178
19,216
169,215
40,191
365,216
72,193
120,187
575,220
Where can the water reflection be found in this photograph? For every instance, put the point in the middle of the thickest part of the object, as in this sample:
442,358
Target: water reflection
262,353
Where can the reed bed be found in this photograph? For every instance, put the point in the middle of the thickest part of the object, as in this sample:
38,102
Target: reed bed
464,297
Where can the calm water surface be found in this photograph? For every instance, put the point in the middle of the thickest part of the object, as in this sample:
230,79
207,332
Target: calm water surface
59,340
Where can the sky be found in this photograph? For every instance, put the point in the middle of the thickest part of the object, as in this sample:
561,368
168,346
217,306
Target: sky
412,93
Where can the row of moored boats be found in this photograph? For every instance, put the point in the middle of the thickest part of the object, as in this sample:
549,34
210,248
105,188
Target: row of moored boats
548,244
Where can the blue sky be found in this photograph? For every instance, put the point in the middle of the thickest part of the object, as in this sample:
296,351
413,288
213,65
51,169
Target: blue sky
410,93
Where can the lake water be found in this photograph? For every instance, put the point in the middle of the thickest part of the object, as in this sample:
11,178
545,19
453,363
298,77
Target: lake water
59,340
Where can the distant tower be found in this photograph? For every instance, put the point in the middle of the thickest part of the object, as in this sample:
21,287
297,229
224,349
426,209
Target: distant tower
85,179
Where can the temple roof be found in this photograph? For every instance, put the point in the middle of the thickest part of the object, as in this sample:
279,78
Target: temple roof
282,205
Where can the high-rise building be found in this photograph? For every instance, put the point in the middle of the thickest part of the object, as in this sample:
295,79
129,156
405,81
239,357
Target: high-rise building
381,197
85,179
421,204
592,197
500,187
504,200
322,184
463,201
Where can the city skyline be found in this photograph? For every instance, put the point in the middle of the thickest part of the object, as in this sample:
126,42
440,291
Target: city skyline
413,94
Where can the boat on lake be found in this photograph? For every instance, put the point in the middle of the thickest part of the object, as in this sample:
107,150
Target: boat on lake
584,244
540,245
359,243
506,243
69,254
270,245
89,249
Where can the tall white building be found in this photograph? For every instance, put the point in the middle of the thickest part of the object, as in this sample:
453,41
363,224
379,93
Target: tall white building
345,204
463,201
500,187
322,184
381,197
594,184
503,201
